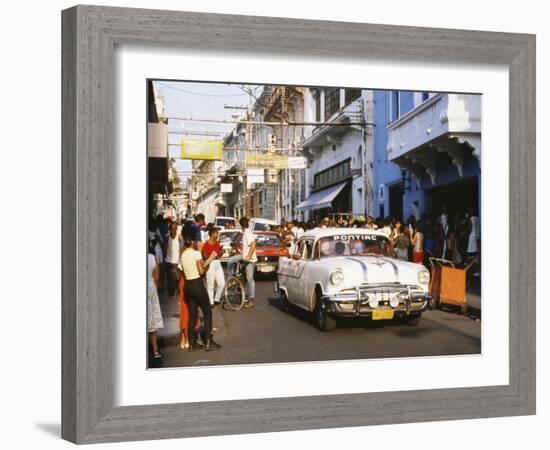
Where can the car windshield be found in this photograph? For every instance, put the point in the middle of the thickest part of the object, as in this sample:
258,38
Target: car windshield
353,245
259,226
228,237
268,240
223,222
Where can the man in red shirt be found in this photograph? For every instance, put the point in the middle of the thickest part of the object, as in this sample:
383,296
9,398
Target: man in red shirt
215,279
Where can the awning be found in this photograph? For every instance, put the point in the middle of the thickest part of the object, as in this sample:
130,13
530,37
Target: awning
323,198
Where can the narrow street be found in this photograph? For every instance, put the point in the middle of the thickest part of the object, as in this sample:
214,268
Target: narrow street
269,333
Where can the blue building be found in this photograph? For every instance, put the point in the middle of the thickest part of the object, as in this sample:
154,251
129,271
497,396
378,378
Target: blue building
427,153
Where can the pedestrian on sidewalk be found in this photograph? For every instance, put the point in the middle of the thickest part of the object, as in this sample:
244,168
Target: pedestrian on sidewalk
173,247
401,243
249,256
192,266
215,279
154,314
418,245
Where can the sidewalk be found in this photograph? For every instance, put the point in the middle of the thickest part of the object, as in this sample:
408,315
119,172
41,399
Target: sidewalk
170,334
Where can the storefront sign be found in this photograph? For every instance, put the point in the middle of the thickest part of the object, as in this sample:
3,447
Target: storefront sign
254,176
272,176
196,149
266,161
297,162
226,187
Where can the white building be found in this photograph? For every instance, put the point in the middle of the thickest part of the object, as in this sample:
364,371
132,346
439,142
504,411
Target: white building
339,150
206,188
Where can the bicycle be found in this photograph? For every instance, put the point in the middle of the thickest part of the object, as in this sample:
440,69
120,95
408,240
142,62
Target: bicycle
235,288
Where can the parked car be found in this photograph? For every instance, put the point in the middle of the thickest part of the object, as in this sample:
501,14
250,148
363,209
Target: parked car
223,222
351,272
259,224
269,248
227,237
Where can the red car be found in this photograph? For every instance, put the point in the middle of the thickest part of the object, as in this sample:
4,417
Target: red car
269,248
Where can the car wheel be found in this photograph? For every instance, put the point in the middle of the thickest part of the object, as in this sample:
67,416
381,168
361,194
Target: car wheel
412,321
323,321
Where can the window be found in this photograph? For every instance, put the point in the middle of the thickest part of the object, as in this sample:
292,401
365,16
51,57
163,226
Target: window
332,175
317,98
268,240
395,105
308,253
299,249
356,244
425,96
332,102
351,95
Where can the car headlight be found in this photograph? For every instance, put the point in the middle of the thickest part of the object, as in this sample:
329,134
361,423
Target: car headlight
423,277
337,277
373,301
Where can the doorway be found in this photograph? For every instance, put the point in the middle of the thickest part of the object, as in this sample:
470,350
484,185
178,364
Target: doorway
396,201
458,197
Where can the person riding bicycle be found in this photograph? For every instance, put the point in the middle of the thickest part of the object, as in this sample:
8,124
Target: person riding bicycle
248,256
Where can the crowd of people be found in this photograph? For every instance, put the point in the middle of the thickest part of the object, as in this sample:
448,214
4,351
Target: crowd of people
184,260
456,238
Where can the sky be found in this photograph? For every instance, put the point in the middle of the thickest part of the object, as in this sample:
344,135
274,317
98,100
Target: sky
199,100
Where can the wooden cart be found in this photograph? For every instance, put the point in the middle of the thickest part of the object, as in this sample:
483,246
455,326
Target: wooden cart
448,284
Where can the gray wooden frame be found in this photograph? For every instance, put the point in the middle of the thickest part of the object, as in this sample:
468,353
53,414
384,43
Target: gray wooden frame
89,37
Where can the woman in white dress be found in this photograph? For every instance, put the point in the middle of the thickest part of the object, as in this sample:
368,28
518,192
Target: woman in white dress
154,314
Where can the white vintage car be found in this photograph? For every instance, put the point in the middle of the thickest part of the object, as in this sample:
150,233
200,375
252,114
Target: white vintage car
350,272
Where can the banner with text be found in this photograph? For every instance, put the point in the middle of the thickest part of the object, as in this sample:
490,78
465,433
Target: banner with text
266,161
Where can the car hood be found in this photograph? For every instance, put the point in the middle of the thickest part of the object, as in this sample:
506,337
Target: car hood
271,251
360,270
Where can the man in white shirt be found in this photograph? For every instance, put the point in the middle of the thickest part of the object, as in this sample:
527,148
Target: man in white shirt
442,220
173,246
249,255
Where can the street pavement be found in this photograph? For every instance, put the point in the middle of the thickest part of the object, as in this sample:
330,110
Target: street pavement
271,333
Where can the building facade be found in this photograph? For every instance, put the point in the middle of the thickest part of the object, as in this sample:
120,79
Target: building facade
339,150
427,153
205,183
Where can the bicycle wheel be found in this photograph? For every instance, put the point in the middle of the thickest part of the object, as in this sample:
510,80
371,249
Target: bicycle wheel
234,294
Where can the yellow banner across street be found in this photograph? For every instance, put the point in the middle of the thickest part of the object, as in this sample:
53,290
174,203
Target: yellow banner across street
196,149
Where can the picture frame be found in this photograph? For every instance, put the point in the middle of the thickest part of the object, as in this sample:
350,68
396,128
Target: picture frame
89,37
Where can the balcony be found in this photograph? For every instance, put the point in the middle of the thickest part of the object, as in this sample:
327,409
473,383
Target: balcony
339,123
449,123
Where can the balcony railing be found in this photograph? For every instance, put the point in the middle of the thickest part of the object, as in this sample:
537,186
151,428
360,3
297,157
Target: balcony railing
451,115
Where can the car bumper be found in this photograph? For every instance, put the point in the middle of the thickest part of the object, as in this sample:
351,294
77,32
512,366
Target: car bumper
266,266
354,305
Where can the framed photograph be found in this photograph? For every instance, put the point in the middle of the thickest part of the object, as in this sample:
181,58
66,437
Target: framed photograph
272,230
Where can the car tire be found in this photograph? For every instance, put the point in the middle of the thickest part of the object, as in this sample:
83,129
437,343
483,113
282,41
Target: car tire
323,321
412,321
